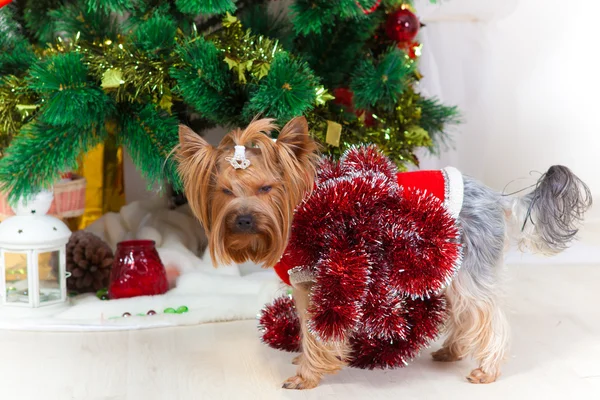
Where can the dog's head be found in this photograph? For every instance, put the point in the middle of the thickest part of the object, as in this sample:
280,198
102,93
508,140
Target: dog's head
245,190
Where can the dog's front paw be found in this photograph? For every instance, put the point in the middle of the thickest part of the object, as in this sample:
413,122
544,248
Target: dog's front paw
478,376
298,382
444,355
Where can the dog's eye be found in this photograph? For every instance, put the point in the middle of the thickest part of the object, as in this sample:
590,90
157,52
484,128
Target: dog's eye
227,192
265,189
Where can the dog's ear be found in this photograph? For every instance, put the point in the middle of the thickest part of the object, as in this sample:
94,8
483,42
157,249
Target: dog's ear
295,138
197,162
189,142
298,156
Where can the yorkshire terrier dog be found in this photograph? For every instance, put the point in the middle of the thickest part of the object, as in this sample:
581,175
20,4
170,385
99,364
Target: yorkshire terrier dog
245,192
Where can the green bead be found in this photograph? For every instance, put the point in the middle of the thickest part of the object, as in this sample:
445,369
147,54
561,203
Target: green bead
169,311
141,315
182,309
102,293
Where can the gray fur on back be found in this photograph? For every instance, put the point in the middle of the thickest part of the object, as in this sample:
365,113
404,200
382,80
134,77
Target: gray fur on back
548,218
483,225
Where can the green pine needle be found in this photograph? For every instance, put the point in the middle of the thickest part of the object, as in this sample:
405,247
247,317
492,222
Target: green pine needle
80,107
150,137
261,22
341,47
107,6
40,153
319,16
17,59
287,91
384,83
38,21
10,31
349,8
69,97
16,53
435,117
204,81
156,35
196,7
58,72
310,16
79,23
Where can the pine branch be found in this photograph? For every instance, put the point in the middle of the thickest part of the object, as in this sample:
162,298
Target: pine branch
70,98
384,82
196,7
40,153
156,36
287,91
435,118
38,21
107,6
80,23
150,137
204,81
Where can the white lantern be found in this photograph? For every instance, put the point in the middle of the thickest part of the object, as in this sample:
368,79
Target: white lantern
33,255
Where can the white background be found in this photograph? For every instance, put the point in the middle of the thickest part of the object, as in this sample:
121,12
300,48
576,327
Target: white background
525,74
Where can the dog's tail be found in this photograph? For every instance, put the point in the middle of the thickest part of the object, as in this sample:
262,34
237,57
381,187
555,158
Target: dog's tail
547,219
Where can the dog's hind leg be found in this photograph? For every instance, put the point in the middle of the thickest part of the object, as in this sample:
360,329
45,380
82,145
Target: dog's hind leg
479,328
477,324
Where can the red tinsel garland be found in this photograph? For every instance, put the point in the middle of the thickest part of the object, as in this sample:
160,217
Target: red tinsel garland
380,254
280,325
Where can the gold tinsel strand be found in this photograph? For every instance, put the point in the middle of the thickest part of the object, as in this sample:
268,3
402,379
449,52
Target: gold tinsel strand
17,105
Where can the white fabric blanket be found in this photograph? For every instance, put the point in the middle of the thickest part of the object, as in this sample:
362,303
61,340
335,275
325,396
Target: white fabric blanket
211,294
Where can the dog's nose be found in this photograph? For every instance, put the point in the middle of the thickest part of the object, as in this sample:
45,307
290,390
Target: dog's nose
244,223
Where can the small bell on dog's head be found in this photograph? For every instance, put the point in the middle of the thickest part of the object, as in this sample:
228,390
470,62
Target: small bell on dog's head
239,160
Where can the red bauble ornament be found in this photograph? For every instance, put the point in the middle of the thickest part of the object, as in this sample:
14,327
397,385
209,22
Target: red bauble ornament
380,255
137,271
344,97
4,2
402,26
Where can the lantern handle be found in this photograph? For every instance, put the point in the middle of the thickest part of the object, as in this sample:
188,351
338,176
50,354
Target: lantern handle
68,274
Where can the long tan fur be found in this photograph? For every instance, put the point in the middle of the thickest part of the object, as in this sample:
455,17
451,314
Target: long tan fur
317,358
217,193
477,327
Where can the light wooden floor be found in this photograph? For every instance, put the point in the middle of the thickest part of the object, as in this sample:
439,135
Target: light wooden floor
554,311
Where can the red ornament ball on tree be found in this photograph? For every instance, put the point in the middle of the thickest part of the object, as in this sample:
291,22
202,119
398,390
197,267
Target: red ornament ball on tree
402,26
4,2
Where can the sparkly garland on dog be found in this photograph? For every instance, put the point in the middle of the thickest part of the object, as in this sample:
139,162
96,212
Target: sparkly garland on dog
379,255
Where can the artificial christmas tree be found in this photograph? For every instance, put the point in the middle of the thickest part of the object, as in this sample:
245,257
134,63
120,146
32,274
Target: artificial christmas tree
74,73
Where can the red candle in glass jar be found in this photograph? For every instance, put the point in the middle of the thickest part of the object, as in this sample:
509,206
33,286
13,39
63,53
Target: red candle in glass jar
137,271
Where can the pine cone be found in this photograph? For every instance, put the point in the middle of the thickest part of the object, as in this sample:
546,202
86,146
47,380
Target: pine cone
89,260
